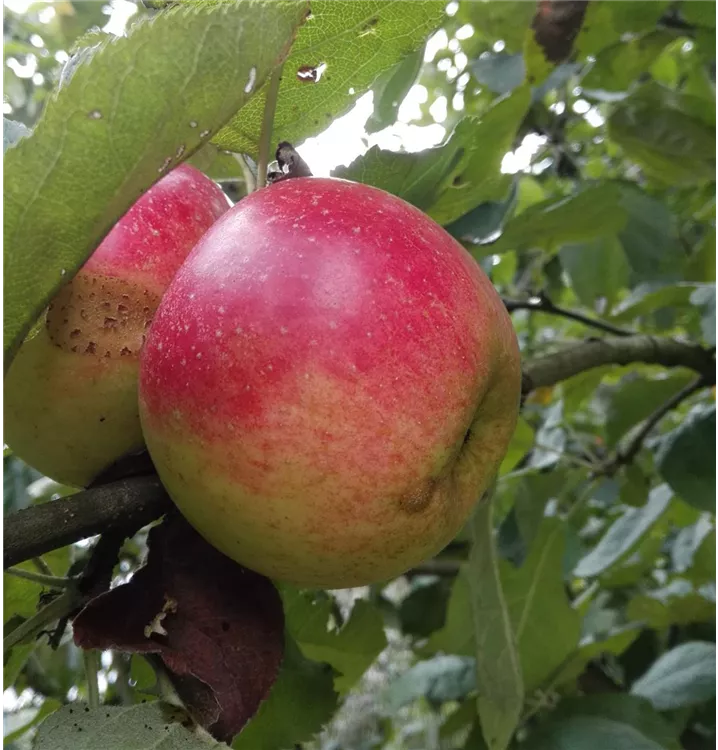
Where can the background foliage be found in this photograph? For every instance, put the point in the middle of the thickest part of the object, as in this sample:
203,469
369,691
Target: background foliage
604,205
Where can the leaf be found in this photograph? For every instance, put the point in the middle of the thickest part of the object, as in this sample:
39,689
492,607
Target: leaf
686,458
141,727
676,603
483,224
684,676
415,177
438,680
649,238
356,41
624,533
648,298
625,709
122,121
217,626
300,703
668,144
550,440
617,66
349,650
598,269
391,89
521,443
499,680
590,733
591,647
476,176
688,541
499,72
508,21
705,298
592,212
12,132
423,610
456,637
635,398
546,628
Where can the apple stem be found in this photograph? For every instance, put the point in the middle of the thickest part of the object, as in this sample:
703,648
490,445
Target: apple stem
249,181
265,139
91,669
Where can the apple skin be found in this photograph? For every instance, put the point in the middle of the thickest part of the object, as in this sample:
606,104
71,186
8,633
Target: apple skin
71,392
329,384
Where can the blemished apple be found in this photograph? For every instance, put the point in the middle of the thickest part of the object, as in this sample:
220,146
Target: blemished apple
71,392
329,384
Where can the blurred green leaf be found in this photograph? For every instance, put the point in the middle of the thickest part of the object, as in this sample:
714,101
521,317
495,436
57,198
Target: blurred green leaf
349,650
624,533
49,705
676,603
300,702
598,269
423,610
590,733
499,72
684,676
635,398
686,458
595,211
507,21
625,709
108,136
705,298
617,67
649,237
438,680
672,147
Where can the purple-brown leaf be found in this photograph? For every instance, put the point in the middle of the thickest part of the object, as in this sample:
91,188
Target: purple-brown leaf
218,627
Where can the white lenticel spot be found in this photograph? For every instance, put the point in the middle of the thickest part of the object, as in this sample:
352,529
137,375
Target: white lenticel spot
220,310
251,81
238,330
332,324
193,123
356,230
199,355
183,362
284,330
95,114
218,333
159,346
204,133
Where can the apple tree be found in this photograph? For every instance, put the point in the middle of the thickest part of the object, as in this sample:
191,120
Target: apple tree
568,148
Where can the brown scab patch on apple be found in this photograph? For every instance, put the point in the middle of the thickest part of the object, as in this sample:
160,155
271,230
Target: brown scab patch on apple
101,316
418,499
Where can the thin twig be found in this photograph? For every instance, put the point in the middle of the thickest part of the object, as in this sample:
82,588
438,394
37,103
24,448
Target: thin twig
42,566
541,303
626,455
53,582
265,139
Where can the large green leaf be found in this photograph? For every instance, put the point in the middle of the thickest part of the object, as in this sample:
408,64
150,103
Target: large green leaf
141,727
349,43
508,21
686,458
547,628
684,676
135,110
590,733
499,679
592,212
624,533
300,702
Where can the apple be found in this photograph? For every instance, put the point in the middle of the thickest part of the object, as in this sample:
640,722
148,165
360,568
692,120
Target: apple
71,392
329,384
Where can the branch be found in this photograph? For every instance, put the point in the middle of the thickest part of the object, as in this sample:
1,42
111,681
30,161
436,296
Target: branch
541,303
552,368
119,505
136,501
625,456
